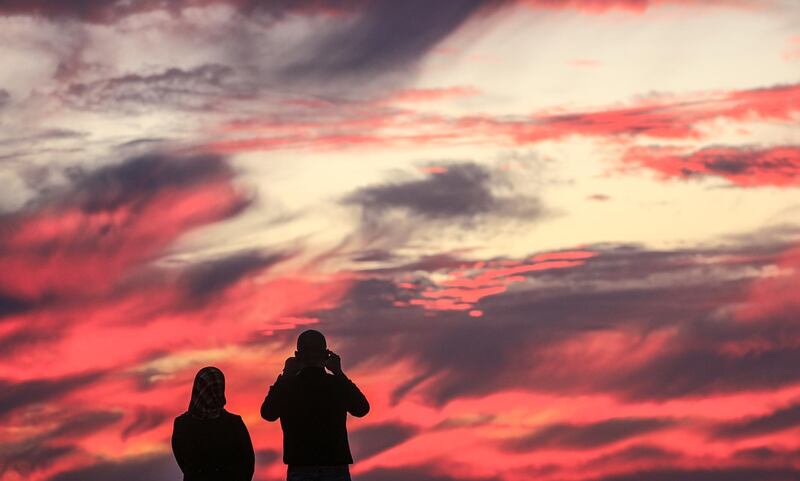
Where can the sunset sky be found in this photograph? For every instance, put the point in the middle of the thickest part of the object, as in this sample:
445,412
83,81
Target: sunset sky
552,240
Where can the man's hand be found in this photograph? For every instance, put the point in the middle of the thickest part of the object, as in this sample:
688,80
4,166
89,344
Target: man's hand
291,366
334,363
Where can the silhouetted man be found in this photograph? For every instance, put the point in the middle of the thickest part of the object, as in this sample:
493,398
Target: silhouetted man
312,406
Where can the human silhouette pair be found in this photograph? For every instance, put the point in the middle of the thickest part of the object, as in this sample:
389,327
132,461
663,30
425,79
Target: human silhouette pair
212,444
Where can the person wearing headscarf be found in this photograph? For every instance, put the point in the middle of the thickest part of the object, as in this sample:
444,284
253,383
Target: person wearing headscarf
210,443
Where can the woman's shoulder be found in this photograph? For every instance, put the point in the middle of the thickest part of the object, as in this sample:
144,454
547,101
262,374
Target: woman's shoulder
225,417
229,416
183,418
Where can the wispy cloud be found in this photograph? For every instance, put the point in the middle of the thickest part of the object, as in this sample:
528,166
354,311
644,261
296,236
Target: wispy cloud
742,166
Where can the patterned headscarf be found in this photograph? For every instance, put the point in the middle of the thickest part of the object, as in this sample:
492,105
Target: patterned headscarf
208,394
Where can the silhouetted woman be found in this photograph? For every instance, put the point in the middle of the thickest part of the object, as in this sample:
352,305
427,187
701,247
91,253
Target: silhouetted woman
209,443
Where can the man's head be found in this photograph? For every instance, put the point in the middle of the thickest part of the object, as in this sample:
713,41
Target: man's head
312,350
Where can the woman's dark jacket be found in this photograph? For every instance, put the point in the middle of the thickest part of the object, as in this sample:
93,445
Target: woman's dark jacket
216,449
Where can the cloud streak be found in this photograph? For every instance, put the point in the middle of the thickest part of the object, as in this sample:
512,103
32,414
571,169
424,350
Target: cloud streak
571,436
16,395
741,166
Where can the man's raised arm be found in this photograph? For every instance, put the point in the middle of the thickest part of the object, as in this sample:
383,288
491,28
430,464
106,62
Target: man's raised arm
355,401
275,402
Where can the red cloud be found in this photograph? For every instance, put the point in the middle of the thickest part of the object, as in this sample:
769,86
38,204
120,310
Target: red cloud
85,240
78,268
467,285
776,295
745,167
344,126
659,119
81,264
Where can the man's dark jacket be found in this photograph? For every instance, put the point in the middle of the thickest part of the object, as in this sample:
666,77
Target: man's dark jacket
213,449
312,406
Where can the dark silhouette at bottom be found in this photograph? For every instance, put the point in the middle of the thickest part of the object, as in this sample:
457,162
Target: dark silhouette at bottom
209,443
312,406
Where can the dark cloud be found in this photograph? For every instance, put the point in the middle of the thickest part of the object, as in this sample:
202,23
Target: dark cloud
88,10
461,357
11,305
208,278
635,453
462,192
624,292
416,473
144,419
386,35
139,178
728,166
741,166
160,467
27,458
5,98
85,423
368,43
370,36
781,419
465,422
198,88
42,136
14,395
774,166
24,338
720,372
709,474
585,436
120,217
146,141
768,454
371,440
109,11
106,11
374,255
741,160
266,457
40,451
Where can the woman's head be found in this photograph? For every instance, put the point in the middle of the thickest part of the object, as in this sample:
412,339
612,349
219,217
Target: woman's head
208,394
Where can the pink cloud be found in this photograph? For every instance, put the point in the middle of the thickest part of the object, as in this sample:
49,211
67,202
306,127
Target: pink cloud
82,267
466,286
746,167
638,6
775,295
345,127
